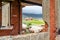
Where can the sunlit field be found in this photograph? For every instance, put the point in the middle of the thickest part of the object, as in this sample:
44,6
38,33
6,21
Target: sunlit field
33,22
31,25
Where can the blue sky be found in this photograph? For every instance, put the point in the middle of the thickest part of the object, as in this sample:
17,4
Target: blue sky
32,9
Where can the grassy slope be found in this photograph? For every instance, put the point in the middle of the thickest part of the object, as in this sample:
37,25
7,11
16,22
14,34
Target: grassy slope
34,22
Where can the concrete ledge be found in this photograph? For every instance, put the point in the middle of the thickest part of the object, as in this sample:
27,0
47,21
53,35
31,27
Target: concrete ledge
32,36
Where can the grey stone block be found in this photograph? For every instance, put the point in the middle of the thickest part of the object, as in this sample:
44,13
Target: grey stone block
46,36
34,37
22,37
5,38
41,36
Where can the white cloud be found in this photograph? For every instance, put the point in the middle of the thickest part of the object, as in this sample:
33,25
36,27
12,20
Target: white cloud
32,9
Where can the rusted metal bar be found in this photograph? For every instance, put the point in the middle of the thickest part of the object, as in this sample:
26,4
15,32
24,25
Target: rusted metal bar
52,20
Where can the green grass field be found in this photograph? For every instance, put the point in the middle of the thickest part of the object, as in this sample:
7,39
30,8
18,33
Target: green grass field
34,22
29,23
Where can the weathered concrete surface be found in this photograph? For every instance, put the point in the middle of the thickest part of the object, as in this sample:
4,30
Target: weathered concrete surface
58,37
32,36
5,38
57,10
46,14
46,11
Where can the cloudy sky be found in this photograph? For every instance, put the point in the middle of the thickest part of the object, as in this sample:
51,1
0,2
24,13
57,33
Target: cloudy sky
32,9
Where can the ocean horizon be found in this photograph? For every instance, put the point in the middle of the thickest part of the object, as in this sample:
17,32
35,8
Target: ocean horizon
35,16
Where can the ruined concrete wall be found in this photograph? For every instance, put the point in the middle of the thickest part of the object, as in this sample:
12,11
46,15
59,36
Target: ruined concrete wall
46,14
57,10
33,36
46,11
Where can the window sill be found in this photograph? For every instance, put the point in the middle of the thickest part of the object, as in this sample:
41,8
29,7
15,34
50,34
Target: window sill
3,28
